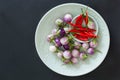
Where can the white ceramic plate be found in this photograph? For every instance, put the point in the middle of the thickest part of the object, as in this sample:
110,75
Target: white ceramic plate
44,28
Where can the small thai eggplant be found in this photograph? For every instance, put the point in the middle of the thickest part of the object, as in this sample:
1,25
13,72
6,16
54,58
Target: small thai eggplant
75,53
64,41
90,51
60,54
74,60
67,54
62,32
58,22
66,47
67,18
77,44
85,45
49,37
93,44
83,56
58,43
52,48
54,31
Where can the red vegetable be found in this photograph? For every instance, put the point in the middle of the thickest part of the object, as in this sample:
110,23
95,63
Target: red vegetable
86,18
80,27
83,38
82,33
79,20
74,25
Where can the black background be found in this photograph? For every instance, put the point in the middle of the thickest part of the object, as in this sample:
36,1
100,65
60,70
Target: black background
18,57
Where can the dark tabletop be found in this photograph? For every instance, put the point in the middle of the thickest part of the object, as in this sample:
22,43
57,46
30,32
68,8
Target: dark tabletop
18,57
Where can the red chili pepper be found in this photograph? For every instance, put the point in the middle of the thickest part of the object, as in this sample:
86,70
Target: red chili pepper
81,28
82,33
91,35
86,18
86,34
79,20
83,38
74,25
87,29
75,35
74,30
